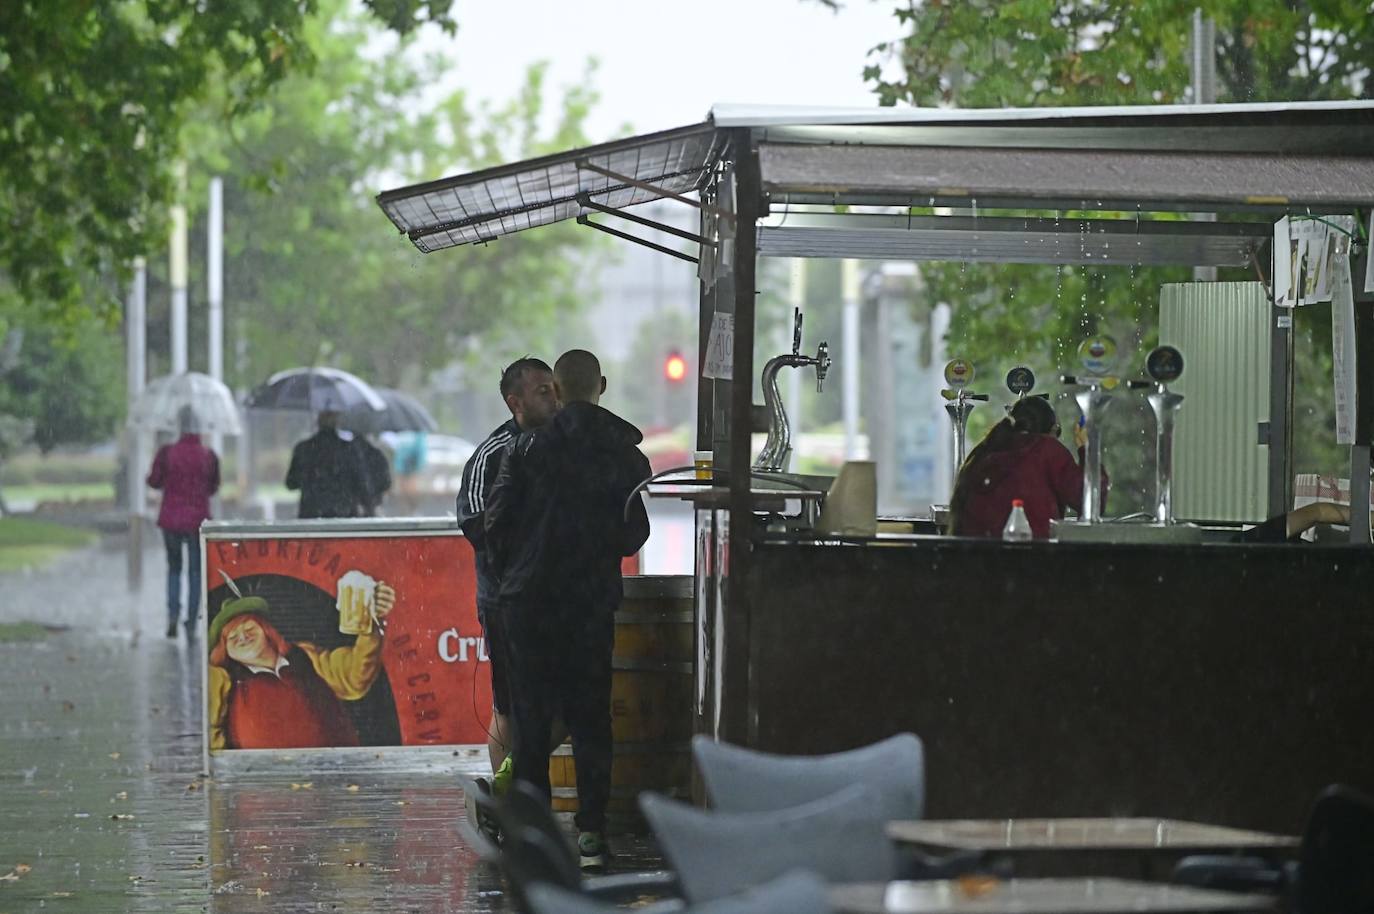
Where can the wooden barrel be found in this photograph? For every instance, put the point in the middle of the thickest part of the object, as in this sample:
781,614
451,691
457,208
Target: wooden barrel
651,699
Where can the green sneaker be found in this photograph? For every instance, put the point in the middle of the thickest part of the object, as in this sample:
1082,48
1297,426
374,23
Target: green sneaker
591,851
501,780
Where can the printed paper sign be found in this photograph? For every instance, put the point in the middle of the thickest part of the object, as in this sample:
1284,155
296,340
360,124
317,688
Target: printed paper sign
1343,351
1283,265
720,348
1369,256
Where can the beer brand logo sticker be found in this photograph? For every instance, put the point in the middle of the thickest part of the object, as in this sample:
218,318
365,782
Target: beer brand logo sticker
1020,380
959,373
1097,354
1164,364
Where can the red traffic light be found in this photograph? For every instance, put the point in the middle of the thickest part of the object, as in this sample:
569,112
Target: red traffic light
675,367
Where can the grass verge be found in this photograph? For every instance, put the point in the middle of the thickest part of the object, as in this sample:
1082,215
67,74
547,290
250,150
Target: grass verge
11,632
28,543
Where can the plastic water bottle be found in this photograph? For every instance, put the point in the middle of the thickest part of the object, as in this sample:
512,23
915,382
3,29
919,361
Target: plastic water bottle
1018,529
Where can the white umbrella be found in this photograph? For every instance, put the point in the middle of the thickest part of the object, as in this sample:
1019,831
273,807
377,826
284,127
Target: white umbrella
159,407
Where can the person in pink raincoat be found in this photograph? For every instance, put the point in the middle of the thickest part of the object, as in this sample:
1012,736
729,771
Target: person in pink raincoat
187,472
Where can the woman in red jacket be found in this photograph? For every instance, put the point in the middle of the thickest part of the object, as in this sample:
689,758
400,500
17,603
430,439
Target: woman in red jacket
187,472
1021,457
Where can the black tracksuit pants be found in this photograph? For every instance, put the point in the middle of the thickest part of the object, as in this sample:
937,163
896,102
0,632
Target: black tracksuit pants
560,665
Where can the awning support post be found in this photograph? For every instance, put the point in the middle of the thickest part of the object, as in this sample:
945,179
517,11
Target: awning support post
583,220
655,189
589,203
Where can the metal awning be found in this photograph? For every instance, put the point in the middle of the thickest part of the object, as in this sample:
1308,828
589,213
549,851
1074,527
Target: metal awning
1191,157
484,205
1062,178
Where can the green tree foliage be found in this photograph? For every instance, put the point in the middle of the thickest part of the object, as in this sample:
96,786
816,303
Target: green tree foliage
314,272
1003,53
63,386
1023,53
93,98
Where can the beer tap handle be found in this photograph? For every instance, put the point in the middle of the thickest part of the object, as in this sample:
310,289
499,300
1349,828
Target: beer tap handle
796,331
822,363
1140,385
1071,380
981,397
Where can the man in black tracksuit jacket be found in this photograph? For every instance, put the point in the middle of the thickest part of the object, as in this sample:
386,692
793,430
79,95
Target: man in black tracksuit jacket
557,528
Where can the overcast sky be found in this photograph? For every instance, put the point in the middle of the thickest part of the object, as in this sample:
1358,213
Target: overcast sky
664,64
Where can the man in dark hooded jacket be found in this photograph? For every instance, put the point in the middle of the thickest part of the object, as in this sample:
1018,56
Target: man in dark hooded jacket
329,473
557,527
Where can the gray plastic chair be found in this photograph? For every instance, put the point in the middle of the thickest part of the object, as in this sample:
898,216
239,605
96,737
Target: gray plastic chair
525,807
796,892
742,780
530,859
841,838
478,807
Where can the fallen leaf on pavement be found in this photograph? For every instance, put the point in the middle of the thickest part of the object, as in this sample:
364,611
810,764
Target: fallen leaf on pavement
114,755
263,893
22,868
194,785
120,817
308,785
352,788
122,795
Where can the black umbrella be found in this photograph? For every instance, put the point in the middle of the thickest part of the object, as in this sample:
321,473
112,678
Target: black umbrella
315,390
403,413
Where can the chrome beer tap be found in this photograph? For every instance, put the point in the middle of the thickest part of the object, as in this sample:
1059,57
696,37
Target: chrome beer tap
959,373
1093,396
1163,365
777,450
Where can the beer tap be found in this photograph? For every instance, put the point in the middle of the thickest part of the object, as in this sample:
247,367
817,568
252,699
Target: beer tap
1164,364
777,450
1021,381
1093,395
959,373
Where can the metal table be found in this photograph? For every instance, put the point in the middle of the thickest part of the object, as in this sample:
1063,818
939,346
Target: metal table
1105,846
1014,836
1037,896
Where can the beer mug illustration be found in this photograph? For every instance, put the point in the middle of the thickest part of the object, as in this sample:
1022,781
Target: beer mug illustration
357,592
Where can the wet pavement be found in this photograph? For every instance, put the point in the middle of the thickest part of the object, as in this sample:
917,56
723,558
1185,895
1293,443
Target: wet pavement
103,806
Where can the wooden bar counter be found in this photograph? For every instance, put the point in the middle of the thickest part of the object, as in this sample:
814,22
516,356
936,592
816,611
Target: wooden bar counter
1215,683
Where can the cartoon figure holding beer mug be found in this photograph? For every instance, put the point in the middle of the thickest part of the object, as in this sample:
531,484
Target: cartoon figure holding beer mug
266,693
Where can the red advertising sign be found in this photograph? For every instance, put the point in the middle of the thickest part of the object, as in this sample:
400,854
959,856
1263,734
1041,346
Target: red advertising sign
344,641
324,639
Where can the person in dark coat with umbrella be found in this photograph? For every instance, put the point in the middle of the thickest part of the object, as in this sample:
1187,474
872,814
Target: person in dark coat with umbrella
376,472
329,473
558,525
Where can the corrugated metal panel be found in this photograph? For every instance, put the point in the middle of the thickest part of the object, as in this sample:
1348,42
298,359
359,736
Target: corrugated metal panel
915,172
1222,329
